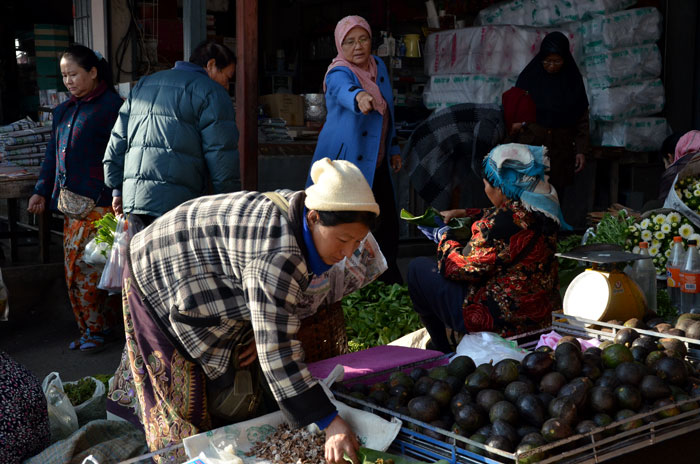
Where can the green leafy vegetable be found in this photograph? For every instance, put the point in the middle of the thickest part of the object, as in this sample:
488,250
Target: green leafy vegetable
104,378
106,226
80,391
568,244
664,309
378,314
427,219
613,229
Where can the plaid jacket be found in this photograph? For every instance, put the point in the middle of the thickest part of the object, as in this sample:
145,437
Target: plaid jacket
218,267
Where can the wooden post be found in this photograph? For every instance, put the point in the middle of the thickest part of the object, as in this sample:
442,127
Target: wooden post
247,90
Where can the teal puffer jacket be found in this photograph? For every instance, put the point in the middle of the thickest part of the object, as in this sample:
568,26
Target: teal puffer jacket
174,133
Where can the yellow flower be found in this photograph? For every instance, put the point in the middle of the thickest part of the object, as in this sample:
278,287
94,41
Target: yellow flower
653,250
659,235
645,223
667,253
646,235
666,228
687,194
659,219
685,231
673,218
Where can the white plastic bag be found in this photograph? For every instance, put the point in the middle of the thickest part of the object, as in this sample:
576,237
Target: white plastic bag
486,347
95,407
93,253
111,279
362,268
62,418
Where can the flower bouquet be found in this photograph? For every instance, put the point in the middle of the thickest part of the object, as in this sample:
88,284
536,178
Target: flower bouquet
658,228
688,190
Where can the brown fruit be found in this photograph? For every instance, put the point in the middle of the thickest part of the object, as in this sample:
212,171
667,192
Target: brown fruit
663,328
635,323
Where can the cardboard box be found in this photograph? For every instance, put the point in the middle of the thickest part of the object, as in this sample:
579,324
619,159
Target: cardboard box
286,106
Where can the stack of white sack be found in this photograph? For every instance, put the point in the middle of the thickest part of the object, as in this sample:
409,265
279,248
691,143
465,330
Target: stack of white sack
634,134
487,50
641,98
548,12
621,66
478,64
448,90
622,29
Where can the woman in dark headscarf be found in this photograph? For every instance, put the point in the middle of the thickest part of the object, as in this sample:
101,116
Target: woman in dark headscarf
554,83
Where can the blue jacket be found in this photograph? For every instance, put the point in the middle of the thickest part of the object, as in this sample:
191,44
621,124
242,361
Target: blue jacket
348,134
73,159
176,131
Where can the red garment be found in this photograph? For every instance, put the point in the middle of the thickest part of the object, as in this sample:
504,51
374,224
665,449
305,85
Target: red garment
518,106
504,296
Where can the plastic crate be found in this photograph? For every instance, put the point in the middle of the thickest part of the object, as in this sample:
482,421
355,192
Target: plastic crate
580,448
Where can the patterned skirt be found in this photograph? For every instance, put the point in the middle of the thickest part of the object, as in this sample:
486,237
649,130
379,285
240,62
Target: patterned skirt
155,386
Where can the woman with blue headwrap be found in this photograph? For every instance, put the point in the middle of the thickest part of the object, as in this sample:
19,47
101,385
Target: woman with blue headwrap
504,279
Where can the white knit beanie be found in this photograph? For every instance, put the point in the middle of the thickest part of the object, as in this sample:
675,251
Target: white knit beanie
339,186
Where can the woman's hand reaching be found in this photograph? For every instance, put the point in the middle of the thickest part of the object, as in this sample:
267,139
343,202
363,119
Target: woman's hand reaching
580,162
340,440
365,102
450,214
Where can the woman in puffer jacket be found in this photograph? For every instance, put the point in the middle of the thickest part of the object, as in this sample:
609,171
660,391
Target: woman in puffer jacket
174,134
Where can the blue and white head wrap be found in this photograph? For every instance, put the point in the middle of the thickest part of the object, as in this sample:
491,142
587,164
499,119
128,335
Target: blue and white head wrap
519,171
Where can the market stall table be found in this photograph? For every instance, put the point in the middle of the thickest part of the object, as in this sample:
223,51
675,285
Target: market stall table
18,183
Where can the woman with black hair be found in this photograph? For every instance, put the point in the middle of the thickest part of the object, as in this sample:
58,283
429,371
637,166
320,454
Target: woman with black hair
553,81
71,181
176,131
218,284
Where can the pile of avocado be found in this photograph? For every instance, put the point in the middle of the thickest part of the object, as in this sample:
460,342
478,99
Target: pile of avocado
549,396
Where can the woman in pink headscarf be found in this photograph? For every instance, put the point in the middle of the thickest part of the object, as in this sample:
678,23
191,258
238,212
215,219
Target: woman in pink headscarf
676,151
360,125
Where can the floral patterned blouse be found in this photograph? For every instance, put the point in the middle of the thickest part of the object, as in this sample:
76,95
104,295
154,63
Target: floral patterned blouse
510,266
24,418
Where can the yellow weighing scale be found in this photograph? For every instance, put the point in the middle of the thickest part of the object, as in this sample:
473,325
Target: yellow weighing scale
603,292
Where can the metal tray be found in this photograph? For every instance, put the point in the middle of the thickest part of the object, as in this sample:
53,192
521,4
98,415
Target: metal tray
577,449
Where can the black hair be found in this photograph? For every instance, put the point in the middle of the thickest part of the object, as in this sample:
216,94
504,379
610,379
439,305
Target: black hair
87,59
205,51
334,218
669,144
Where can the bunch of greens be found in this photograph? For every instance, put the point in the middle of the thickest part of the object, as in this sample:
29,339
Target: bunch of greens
378,314
80,391
613,230
106,226
664,309
104,378
568,244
